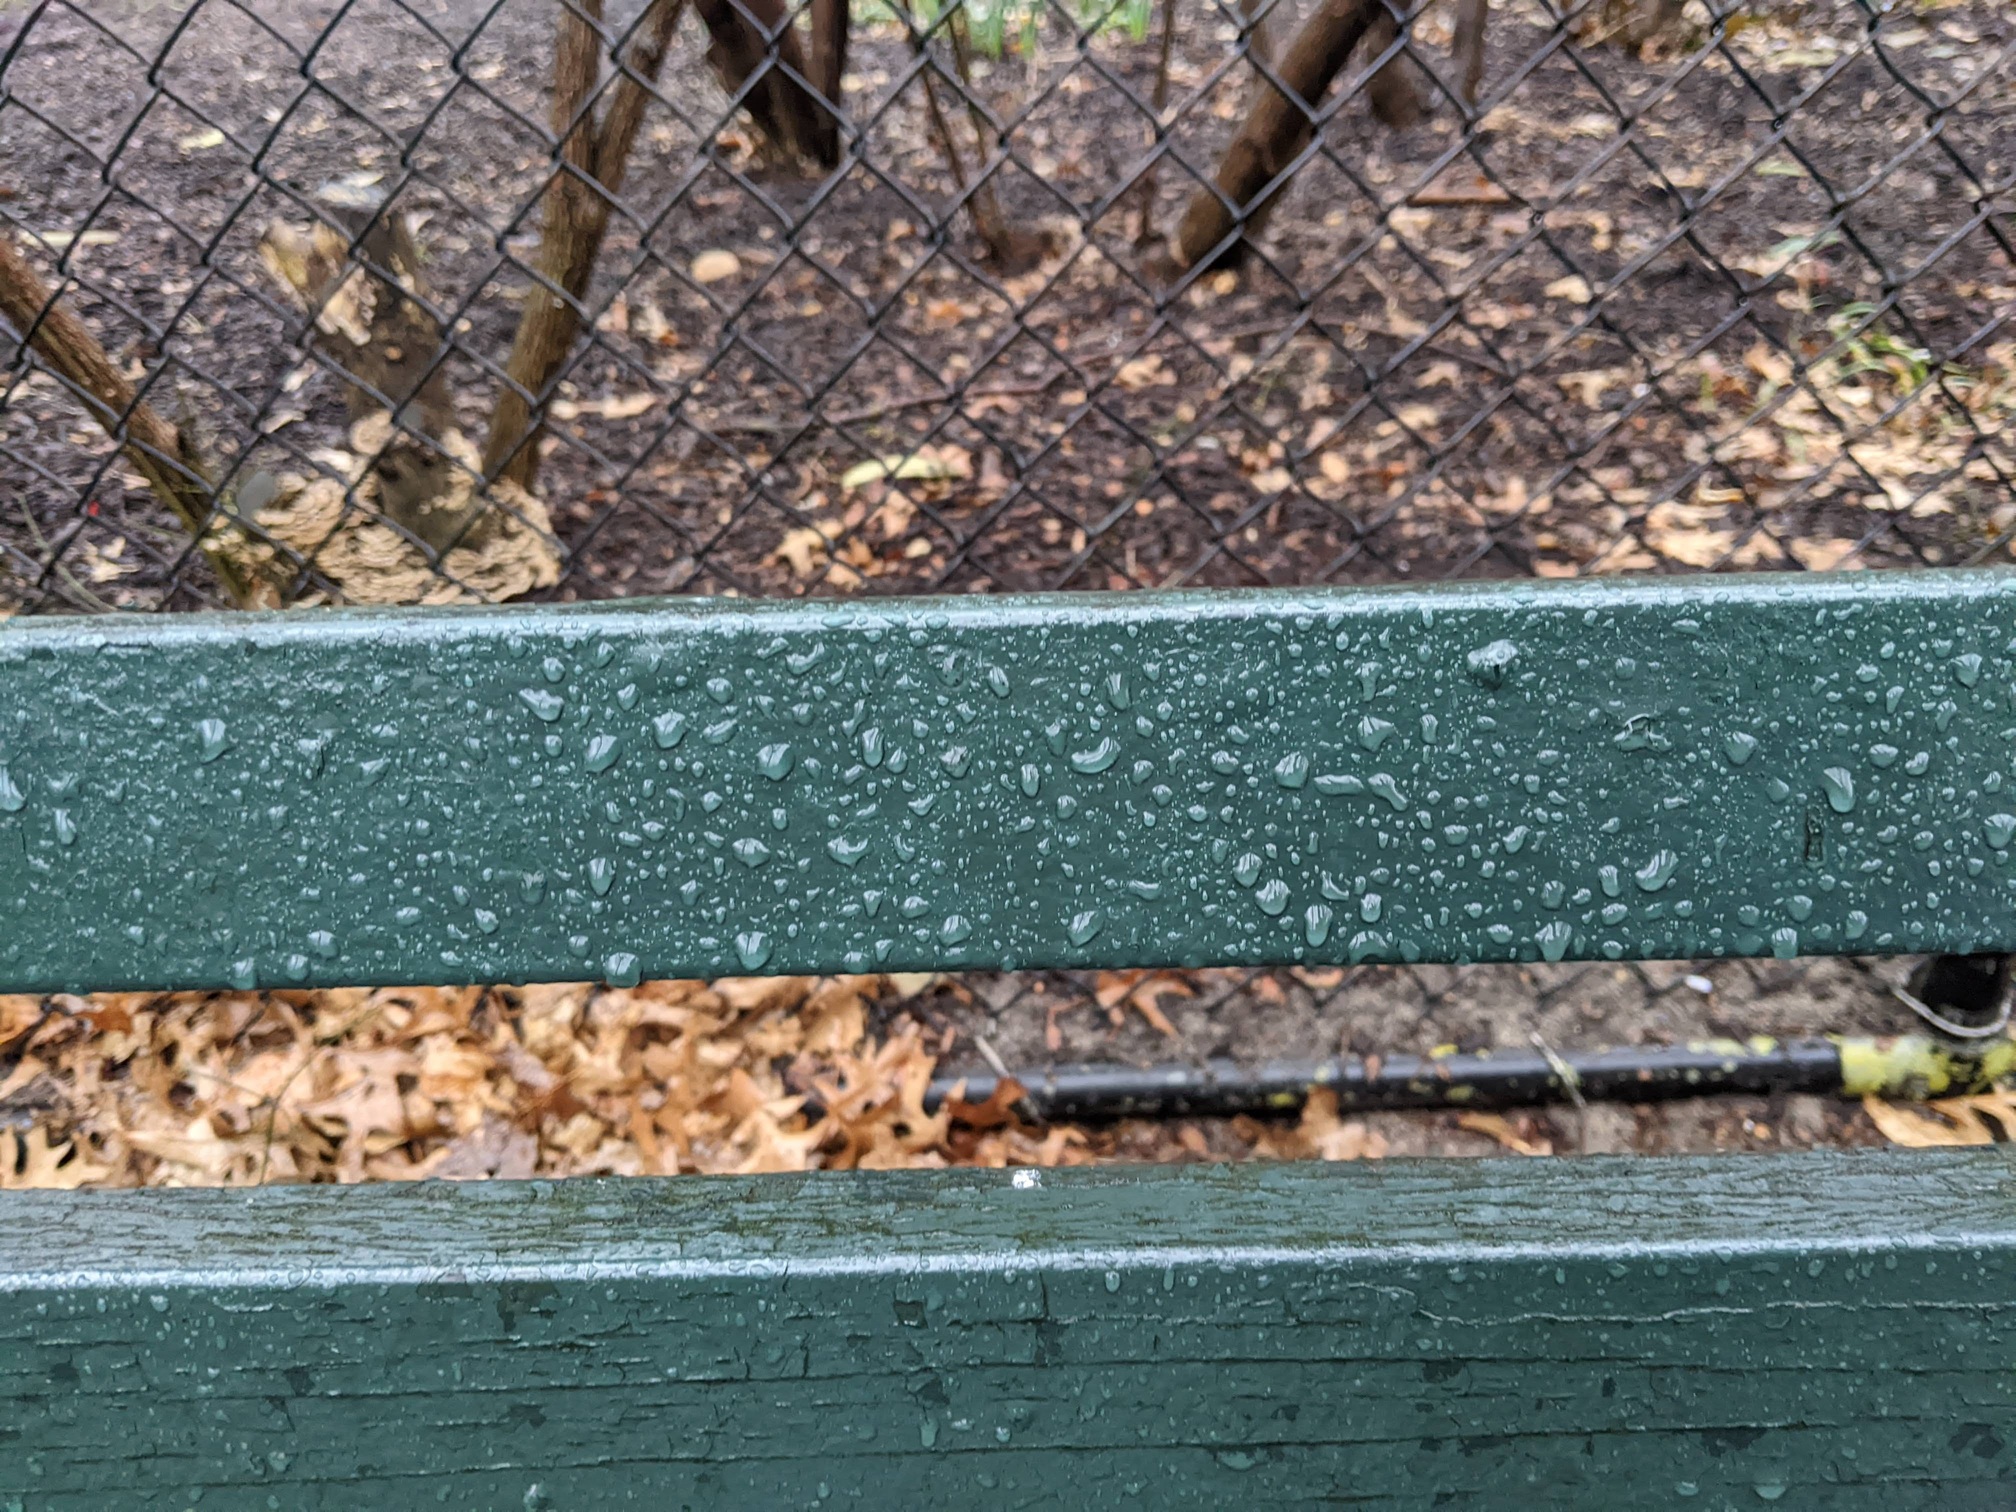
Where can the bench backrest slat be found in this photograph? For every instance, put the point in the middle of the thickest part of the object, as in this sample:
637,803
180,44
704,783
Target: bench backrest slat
1621,769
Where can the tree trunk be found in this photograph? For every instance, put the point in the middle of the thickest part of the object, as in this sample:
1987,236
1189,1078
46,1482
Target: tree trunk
363,288
1014,250
158,451
1275,131
1396,89
754,40
829,58
593,163
1009,249
1473,18
427,525
369,304
1144,228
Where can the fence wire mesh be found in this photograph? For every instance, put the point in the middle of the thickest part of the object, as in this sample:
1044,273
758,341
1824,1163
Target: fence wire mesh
445,300
1740,298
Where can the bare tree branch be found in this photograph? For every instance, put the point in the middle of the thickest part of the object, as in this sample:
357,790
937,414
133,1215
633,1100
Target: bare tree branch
1144,229
159,452
1010,249
755,40
593,162
1473,17
1276,129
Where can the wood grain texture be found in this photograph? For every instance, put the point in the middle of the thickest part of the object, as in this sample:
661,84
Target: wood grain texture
1613,769
1592,770
1828,1332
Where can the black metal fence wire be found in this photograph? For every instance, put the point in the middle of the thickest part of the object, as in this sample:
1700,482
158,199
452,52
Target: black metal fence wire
1739,296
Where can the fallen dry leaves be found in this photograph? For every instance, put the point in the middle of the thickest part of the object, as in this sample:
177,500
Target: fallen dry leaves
1143,991
774,1074
714,266
1321,1134
1947,1121
749,1075
347,1085
29,1160
1497,1126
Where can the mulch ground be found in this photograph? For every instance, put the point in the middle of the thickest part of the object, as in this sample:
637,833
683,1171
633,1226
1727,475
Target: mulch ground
1564,351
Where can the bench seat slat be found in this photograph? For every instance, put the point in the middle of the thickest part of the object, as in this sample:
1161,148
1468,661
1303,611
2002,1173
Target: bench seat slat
1539,1333
1608,769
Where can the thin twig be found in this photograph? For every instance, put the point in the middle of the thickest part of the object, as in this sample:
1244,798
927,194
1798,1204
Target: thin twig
1571,1083
90,599
1024,1108
757,424
1003,245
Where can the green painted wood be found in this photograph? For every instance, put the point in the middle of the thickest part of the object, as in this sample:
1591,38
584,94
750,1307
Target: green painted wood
1835,1331
1645,768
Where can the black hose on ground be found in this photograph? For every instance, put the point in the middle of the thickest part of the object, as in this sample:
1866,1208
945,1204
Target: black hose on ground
1912,1066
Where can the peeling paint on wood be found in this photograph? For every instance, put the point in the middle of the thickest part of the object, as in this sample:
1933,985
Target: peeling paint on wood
1829,1331
1652,769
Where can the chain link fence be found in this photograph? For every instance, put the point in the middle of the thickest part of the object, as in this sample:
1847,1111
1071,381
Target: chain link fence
449,300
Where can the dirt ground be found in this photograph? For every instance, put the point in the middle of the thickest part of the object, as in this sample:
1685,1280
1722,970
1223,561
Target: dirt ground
1575,339
1373,1010
1369,1011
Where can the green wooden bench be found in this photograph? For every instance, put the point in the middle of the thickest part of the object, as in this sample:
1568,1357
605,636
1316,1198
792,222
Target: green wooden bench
1648,769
